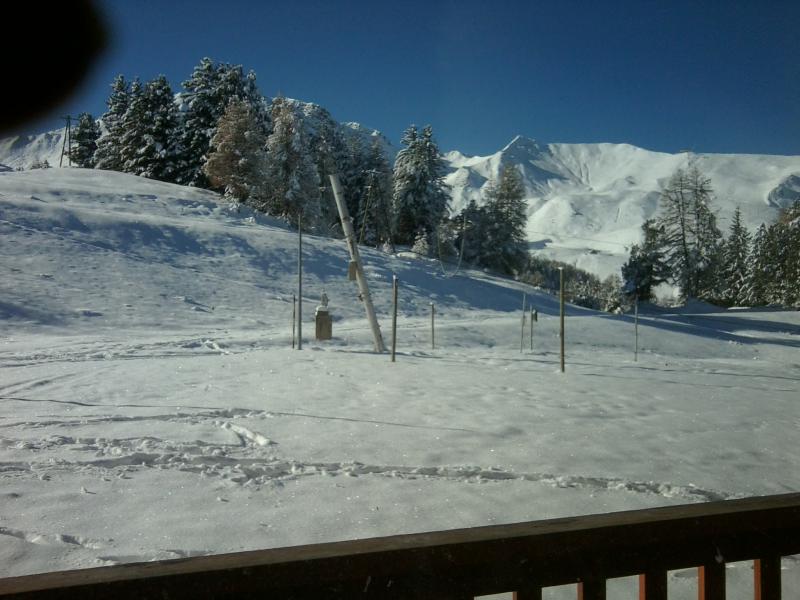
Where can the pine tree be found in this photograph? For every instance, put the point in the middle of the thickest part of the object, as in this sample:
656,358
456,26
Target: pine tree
420,194
148,131
107,155
645,268
377,197
691,237
758,268
504,246
238,162
84,141
292,186
421,243
208,91
131,129
736,250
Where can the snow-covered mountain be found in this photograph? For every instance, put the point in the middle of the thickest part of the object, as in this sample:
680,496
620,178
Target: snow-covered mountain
586,202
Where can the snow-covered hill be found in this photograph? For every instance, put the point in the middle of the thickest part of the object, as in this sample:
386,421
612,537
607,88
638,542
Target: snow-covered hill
151,406
586,202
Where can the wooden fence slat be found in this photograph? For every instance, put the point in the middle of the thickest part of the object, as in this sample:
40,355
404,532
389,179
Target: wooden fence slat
653,585
711,581
767,576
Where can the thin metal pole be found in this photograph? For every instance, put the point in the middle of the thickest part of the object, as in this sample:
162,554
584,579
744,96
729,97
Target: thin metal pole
294,318
433,330
561,303
522,328
300,282
69,141
531,316
394,315
636,329
363,286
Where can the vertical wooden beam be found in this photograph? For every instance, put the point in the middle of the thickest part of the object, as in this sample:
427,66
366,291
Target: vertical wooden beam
528,594
653,585
433,331
300,282
592,589
711,581
767,575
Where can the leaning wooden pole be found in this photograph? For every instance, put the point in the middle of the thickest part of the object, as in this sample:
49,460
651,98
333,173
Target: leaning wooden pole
363,287
300,282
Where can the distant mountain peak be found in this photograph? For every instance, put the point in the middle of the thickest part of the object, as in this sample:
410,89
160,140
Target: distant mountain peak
520,142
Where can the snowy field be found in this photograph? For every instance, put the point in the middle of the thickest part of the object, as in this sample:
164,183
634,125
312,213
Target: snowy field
152,406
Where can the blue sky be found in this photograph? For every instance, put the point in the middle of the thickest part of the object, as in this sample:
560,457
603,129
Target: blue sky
705,76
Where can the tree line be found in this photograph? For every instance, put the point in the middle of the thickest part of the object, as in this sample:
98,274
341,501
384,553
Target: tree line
275,156
684,247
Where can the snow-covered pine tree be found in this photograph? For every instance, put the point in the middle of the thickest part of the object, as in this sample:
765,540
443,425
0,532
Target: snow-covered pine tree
786,250
149,131
421,245
472,233
84,141
645,268
733,271
292,186
238,162
759,266
420,194
376,213
107,155
131,129
504,246
691,237
208,91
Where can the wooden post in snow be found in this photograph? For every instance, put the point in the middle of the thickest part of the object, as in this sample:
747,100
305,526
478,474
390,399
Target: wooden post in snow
561,304
433,331
363,287
636,329
394,315
522,328
294,317
300,282
531,316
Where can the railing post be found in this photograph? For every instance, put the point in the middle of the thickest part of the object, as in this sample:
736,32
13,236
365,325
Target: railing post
653,585
592,589
528,594
711,581
767,575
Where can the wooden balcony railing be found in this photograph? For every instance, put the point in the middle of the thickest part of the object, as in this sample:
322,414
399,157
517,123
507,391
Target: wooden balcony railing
459,564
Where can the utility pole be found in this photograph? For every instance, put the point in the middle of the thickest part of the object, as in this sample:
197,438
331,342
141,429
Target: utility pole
300,282
561,303
363,287
66,144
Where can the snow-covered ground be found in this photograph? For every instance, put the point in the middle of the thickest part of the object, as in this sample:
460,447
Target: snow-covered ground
152,406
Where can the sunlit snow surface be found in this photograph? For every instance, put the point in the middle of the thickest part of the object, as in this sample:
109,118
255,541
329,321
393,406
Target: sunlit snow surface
152,406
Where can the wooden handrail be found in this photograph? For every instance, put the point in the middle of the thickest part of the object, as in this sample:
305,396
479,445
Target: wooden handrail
464,563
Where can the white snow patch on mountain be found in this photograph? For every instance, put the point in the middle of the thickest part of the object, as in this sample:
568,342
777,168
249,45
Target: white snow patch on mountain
587,202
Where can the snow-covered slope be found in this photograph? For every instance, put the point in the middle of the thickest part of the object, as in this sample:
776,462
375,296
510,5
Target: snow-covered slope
586,202
151,406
